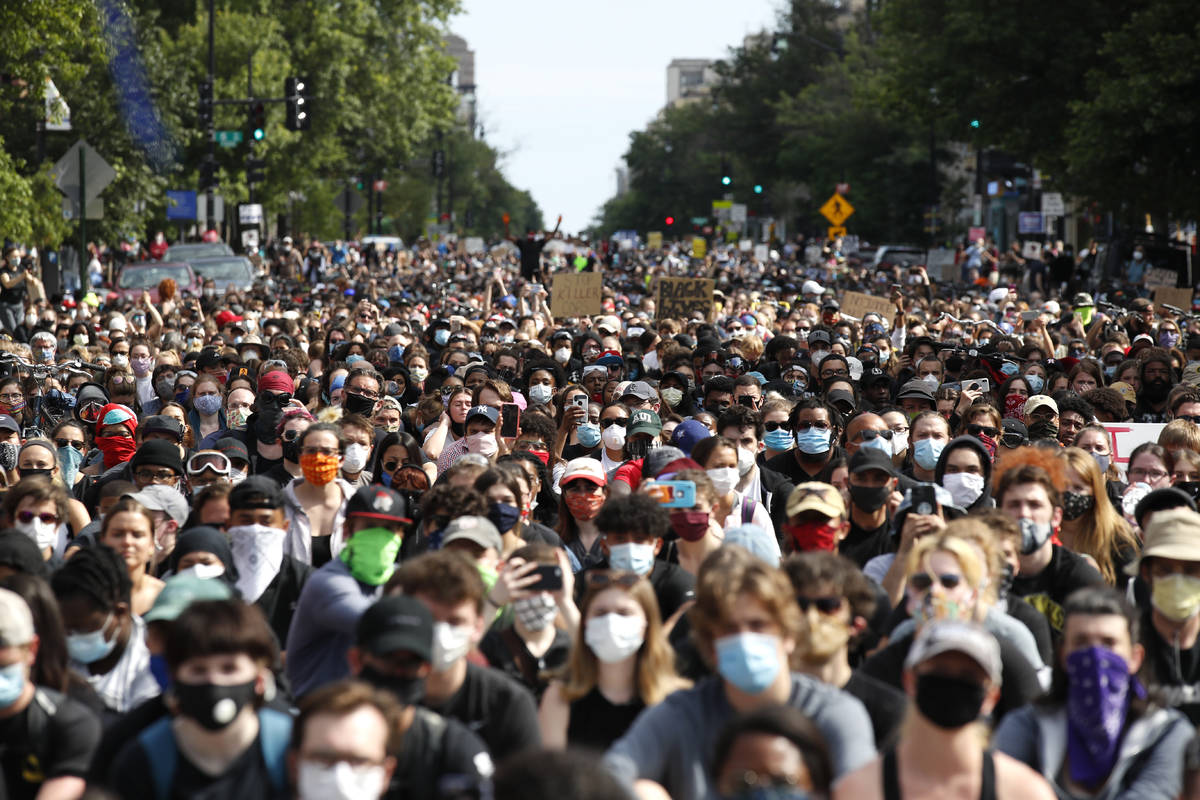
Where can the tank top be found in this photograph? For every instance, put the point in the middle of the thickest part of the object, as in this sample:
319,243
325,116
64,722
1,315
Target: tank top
891,777
596,723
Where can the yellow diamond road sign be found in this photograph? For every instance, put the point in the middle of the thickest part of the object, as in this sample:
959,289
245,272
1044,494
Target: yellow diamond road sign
837,209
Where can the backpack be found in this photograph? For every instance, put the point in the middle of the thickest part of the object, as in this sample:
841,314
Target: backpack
274,735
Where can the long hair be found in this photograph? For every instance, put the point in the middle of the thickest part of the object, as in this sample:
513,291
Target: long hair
51,667
971,561
1101,529
655,673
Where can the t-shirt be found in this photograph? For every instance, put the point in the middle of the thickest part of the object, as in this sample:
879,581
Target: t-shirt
505,650
861,545
11,295
886,704
433,750
1049,589
531,256
129,682
496,708
54,737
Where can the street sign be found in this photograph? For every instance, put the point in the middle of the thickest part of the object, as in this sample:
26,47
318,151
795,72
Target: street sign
1052,204
837,230
181,204
843,188
99,173
348,201
737,212
837,210
229,138
250,213
699,247
1030,222
70,207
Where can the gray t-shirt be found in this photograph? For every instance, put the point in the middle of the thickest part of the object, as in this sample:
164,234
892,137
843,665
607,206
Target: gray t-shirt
673,742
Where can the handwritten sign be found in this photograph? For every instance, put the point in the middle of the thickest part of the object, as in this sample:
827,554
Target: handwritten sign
679,298
576,294
855,304
699,247
1126,436
1158,276
654,240
1180,298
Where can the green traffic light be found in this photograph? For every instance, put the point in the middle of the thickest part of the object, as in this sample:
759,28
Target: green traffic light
726,180
259,133
758,188
974,123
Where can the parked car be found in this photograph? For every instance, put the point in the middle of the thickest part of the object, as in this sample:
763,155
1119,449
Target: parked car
224,271
146,275
902,254
186,252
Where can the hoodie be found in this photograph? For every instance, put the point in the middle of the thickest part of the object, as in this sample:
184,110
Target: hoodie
985,500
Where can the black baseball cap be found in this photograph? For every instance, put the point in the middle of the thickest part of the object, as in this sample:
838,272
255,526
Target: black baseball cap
396,623
257,491
378,502
868,458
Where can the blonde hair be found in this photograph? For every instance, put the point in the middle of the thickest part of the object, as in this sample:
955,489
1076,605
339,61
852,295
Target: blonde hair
1101,530
986,540
971,560
1180,434
655,673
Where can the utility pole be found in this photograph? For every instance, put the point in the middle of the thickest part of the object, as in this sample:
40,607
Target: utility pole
250,93
212,122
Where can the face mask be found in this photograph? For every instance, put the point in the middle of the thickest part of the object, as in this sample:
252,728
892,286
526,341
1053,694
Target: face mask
932,381
504,516
1176,596
827,635
80,339
813,442
213,706
237,417
1156,389
588,434
745,462
540,393
613,437
814,535
12,684
355,457
949,702
562,355
1098,689
357,404
46,353
371,555
750,661
878,443
70,459
441,336
723,479
450,643
419,374
42,533
483,443
164,389
689,525
1101,461
537,612
632,557
339,781
1035,382
141,366
88,648
1043,429
584,507
408,690
120,360
318,468
673,395
1076,504
1033,535
1138,256
204,571
1110,370
816,356
8,455
964,487
869,498
208,404
30,319
1168,339
13,408
195,343
614,637
778,439
899,443
182,396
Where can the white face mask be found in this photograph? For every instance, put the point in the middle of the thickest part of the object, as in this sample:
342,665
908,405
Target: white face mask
899,443
745,462
723,479
613,437
419,374
614,637
964,487
450,643
562,355
483,443
42,533
355,457
339,781
203,571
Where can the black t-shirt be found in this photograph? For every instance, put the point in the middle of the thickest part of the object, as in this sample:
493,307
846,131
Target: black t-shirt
496,708
787,465
505,650
673,585
531,256
435,748
1049,589
54,737
861,545
16,293
248,776
885,704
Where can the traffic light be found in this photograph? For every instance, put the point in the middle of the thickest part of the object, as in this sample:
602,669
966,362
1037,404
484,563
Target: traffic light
298,92
758,188
439,163
258,120
208,174
254,170
726,173
975,123
670,221
204,112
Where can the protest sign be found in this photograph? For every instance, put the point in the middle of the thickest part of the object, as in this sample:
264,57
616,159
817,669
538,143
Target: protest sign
1180,298
1157,276
654,240
855,304
1126,436
576,294
699,247
679,297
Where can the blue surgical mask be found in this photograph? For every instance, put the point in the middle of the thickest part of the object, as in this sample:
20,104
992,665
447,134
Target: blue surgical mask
633,557
750,661
69,459
878,443
778,439
1008,368
396,353
926,452
813,441
1110,370
88,648
589,434
441,336
1101,461
353,359
12,683
1036,382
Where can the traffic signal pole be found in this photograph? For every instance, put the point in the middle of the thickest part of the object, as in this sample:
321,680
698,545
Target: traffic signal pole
212,120
250,146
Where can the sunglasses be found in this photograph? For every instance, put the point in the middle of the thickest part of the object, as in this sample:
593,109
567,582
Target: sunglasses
800,427
608,423
923,581
826,605
280,399
1012,440
74,445
774,426
598,579
868,435
986,430
47,517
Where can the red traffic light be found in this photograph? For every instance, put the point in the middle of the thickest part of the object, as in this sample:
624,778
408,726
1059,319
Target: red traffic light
670,220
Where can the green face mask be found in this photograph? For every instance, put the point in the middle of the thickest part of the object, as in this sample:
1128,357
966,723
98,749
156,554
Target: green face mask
371,555
489,575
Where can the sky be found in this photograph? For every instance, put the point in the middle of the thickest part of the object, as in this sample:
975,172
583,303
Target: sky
561,85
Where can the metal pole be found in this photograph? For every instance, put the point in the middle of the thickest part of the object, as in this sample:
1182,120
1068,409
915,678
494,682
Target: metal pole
250,94
370,187
82,220
209,209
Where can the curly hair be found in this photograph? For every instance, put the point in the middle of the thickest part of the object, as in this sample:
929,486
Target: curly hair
98,574
1029,465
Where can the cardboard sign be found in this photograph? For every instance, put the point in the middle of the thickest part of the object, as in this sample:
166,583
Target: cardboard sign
1157,276
576,294
654,240
1180,298
1126,436
678,298
855,304
699,247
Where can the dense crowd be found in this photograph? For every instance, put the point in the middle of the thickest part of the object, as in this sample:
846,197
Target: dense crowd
381,525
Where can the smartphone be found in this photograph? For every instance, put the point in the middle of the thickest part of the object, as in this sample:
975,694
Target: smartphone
1029,316
550,578
580,400
978,385
924,499
536,288
510,420
673,494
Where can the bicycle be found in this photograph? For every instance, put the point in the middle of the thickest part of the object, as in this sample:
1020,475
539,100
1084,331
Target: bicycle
48,408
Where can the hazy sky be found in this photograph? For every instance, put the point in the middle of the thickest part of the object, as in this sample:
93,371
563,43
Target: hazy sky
561,85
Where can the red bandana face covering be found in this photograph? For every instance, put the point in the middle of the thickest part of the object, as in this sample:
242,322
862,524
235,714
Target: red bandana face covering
813,536
584,507
116,449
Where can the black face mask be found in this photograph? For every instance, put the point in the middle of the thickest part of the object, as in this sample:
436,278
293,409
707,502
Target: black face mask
1076,504
869,498
1191,487
211,705
357,404
266,419
291,450
507,374
1156,389
949,702
1043,429
409,691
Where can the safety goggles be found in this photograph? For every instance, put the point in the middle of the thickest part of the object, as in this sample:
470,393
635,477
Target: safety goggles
214,462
